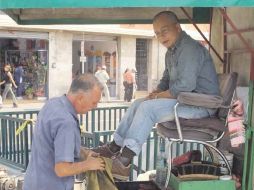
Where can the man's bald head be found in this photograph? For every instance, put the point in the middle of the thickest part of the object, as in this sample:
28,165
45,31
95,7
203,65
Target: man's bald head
166,28
169,15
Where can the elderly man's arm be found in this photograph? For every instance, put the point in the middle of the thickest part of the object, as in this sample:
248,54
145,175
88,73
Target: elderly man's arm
64,148
93,162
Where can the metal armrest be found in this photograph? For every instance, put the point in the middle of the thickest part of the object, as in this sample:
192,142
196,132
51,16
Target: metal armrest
178,126
195,99
200,100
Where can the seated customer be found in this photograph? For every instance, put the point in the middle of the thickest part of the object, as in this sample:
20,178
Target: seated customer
188,68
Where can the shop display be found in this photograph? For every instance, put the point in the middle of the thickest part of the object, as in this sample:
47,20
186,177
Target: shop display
35,69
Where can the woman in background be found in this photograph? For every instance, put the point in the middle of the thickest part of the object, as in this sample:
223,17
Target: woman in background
18,78
128,81
8,81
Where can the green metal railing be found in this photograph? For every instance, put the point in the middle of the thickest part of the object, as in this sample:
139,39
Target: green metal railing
98,128
98,119
102,119
14,149
22,114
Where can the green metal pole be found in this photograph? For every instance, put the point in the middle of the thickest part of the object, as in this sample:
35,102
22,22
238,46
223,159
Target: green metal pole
26,153
155,149
249,144
109,120
148,147
93,120
139,163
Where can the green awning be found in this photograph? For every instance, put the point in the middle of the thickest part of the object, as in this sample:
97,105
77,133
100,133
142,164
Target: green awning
109,11
21,4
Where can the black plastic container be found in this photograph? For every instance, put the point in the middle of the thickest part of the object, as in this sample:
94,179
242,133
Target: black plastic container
137,185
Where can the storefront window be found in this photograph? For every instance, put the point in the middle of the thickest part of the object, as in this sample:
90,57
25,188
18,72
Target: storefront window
29,61
98,54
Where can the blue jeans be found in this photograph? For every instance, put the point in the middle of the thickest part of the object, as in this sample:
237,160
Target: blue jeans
142,115
20,90
7,89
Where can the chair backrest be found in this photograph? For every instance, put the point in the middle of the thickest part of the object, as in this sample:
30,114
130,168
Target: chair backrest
228,84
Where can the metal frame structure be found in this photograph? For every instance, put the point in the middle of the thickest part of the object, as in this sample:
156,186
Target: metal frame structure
247,180
203,36
207,144
114,4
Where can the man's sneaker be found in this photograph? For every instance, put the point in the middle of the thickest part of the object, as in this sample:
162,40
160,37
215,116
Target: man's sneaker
105,151
119,171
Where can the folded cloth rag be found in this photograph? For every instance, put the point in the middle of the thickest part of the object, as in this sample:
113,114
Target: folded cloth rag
99,180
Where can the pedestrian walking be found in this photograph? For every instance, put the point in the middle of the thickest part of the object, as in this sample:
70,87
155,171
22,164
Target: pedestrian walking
9,82
102,75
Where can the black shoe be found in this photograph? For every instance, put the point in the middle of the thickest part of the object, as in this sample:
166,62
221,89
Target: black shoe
105,151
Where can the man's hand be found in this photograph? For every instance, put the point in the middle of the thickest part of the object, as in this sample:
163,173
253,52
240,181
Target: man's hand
153,94
165,94
93,162
161,94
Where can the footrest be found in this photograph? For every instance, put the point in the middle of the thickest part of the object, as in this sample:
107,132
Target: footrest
192,177
202,168
200,184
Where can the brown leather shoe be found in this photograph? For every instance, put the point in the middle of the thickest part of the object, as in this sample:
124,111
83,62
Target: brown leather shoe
119,171
105,151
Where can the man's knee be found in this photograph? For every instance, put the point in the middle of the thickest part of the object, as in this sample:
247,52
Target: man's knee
146,105
138,102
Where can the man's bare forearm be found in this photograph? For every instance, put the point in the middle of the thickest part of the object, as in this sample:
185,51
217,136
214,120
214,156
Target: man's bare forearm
69,169
165,94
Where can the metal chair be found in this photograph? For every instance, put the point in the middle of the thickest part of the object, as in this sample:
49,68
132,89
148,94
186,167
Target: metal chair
205,131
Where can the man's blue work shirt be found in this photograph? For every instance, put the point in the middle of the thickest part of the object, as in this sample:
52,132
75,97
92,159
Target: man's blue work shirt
56,138
189,68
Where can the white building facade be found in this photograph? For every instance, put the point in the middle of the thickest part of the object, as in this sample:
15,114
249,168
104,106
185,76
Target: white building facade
63,51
